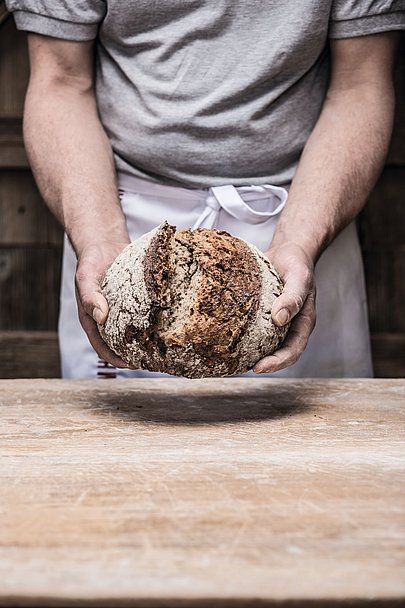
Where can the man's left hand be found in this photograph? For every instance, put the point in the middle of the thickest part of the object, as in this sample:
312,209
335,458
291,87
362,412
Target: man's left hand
296,304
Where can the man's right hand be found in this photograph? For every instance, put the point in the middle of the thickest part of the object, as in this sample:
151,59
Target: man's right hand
93,262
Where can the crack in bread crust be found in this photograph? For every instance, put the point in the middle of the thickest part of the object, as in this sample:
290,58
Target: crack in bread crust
157,275
226,300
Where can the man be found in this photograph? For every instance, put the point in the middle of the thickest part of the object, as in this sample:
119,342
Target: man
182,98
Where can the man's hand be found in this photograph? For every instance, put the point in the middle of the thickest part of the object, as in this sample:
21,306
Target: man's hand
296,304
93,262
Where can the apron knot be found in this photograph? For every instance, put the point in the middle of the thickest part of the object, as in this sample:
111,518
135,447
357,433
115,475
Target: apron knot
235,202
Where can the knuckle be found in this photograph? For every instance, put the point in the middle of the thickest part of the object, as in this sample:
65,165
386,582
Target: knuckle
81,275
86,303
307,276
298,302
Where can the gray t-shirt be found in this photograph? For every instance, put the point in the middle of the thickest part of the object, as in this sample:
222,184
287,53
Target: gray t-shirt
201,93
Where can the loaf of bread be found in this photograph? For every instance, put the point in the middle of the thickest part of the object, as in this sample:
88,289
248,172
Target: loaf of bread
194,303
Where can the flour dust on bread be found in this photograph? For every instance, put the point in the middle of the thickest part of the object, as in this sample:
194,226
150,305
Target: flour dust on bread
194,303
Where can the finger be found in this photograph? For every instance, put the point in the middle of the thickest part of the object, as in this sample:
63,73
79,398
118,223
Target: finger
93,301
93,335
296,288
295,343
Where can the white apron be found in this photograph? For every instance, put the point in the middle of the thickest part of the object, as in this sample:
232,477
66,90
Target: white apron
339,345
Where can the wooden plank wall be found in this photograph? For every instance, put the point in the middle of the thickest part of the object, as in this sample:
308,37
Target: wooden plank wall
382,236
30,239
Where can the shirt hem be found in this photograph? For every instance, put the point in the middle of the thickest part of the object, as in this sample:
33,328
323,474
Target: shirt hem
194,183
370,24
56,28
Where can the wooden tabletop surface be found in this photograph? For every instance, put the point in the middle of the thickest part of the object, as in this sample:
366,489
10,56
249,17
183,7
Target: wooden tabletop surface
213,492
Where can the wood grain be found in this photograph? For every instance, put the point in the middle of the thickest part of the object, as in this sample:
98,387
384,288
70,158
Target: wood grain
396,154
29,287
382,224
12,151
26,220
385,272
388,355
14,69
154,492
29,354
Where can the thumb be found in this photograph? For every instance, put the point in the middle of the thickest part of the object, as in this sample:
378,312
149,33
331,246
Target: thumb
296,289
100,308
89,292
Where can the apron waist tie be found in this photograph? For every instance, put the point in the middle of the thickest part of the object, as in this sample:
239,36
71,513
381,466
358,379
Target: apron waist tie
235,202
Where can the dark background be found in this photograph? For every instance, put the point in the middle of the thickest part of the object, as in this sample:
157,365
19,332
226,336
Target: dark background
30,239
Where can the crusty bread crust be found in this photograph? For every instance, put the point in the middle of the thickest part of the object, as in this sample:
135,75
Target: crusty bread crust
193,303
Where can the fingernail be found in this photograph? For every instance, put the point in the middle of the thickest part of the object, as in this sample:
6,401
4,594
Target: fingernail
282,317
98,315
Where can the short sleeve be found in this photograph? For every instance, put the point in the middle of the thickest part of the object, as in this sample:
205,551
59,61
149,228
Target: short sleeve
67,19
351,18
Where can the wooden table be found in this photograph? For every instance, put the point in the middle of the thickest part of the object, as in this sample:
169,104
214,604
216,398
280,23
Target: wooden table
202,493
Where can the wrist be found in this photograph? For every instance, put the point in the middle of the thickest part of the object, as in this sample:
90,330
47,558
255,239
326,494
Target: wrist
309,240
111,234
92,214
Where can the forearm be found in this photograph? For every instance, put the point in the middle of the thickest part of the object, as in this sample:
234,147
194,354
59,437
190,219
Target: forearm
72,161
338,168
